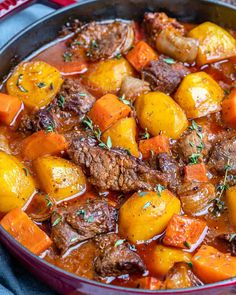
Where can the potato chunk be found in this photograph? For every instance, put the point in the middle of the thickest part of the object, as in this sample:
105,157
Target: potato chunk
163,259
231,203
108,75
199,95
17,186
146,214
158,112
215,43
35,83
59,177
123,134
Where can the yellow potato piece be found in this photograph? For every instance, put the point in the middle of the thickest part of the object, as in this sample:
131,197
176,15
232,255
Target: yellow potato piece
158,112
215,43
163,259
108,75
146,214
199,95
17,186
231,203
59,177
123,134
35,83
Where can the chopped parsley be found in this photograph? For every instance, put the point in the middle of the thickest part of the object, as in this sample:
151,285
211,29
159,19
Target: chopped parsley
142,194
19,85
118,56
125,101
67,56
119,242
90,219
50,128
97,133
81,212
186,244
232,237
82,94
145,135
159,188
26,171
41,84
57,221
169,60
190,264
49,202
193,159
61,101
146,205
73,239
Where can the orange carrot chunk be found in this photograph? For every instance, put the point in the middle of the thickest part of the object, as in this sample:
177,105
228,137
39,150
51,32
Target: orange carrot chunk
229,109
42,143
196,172
156,145
211,265
27,233
107,110
149,283
184,232
10,107
141,55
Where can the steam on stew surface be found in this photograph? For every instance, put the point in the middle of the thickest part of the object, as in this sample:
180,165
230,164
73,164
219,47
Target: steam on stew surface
118,152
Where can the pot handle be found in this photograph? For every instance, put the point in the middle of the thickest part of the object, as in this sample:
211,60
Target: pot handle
8,7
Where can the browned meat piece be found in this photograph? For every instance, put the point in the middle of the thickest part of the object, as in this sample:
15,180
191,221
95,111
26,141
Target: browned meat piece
111,169
181,276
77,98
80,221
224,153
168,36
170,168
71,104
105,40
132,87
230,240
116,258
156,22
196,197
163,76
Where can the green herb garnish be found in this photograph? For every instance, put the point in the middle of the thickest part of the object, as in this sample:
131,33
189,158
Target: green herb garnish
26,171
61,101
119,242
125,101
169,61
41,84
57,221
18,83
142,194
186,244
146,205
67,56
159,188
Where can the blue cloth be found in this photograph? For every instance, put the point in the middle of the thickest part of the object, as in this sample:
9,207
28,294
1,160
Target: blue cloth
16,280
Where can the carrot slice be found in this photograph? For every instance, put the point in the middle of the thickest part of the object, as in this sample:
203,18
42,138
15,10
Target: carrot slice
184,232
149,283
10,107
42,143
229,109
196,172
156,145
27,233
141,55
211,265
107,110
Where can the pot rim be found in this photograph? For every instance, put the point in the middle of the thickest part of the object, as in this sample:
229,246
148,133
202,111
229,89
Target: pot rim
9,239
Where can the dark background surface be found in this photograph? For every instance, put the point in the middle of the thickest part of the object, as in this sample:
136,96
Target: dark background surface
14,278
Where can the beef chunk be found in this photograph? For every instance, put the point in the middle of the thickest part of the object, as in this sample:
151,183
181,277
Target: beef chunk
113,170
196,197
81,221
158,21
224,153
170,168
116,258
103,41
163,76
71,104
230,240
77,98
